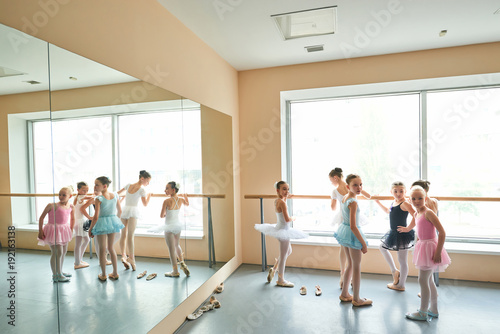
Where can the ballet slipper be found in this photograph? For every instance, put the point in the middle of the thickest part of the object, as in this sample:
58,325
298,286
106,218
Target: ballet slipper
132,264
125,264
214,302
84,263
172,274
184,268
66,274
395,276
113,276
395,287
141,275
151,276
432,314
419,316
345,299
303,290
283,283
318,291
272,271
219,288
108,262
364,302
102,278
81,265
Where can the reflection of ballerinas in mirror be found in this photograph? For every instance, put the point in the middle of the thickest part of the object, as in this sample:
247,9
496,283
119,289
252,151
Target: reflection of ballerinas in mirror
105,224
81,237
283,232
130,215
173,227
57,233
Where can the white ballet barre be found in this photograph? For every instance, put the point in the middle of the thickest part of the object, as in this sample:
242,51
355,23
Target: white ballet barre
382,198
211,242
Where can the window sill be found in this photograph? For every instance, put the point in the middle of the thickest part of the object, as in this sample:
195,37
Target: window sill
192,235
373,243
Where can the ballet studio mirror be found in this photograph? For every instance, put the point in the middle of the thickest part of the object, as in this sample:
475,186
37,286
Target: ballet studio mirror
104,122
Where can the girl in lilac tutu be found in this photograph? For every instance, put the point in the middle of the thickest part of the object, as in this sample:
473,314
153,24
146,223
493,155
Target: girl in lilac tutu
429,255
283,232
58,232
105,224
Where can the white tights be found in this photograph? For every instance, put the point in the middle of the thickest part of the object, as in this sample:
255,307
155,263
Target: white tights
127,237
81,244
403,264
174,248
58,252
428,291
285,251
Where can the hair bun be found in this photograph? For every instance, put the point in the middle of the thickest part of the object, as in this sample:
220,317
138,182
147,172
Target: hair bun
338,169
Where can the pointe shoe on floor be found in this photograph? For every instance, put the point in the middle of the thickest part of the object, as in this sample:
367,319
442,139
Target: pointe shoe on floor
214,302
395,287
113,277
345,299
81,265
303,290
125,263
219,288
432,314
270,275
172,274
108,263
318,291
200,312
285,284
66,274
395,276
184,268
151,276
102,278
141,275
419,316
59,278
365,302
132,263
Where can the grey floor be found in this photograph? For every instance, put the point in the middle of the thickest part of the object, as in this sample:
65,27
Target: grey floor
86,305
249,305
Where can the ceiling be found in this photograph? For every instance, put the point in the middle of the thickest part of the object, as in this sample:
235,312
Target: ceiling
243,33
29,56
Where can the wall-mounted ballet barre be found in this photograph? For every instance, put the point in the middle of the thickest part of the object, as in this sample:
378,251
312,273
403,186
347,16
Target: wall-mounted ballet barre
382,198
211,242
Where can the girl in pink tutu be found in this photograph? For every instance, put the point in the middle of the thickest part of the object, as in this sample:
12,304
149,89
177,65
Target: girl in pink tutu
58,232
429,255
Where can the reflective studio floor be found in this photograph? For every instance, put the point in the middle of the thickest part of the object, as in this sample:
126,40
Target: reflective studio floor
86,305
250,305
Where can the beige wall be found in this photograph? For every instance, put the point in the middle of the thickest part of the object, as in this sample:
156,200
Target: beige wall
259,98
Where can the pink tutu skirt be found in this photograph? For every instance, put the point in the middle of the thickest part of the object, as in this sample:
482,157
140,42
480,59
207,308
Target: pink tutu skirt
424,253
62,236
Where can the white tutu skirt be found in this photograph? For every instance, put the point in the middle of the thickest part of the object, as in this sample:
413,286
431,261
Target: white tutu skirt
78,228
172,228
131,212
281,231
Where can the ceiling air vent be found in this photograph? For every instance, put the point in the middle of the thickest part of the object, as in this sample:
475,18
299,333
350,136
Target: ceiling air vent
307,23
314,48
33,82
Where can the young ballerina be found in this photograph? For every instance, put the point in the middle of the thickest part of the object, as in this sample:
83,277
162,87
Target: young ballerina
131,214
105,224
283,232
173,227
81,237
353,242
429,255
336,178
57,237
394,240
431,203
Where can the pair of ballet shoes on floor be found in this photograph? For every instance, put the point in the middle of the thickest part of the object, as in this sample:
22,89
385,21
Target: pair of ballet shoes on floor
150,276
219,288
318,292
213,303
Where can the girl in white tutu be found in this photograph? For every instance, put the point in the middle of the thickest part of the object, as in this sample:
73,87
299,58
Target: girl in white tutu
130,215
429,255
337,180
81,237
173,227
283,232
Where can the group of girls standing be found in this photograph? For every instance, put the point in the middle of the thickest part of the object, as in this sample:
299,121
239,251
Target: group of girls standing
67,219
429,254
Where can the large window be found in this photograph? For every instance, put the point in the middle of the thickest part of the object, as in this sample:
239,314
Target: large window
167,144
447,137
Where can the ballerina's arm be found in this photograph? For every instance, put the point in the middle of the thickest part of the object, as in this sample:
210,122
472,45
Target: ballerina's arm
118,209
72,218
382,206
163,212
49,207
96,216
84,207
